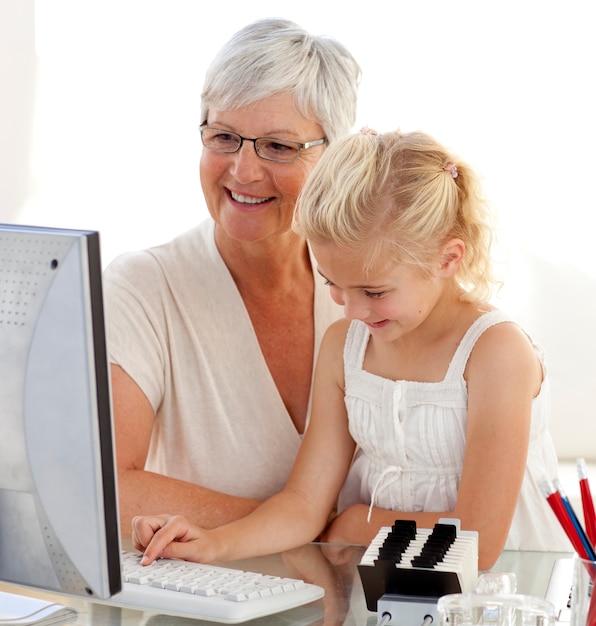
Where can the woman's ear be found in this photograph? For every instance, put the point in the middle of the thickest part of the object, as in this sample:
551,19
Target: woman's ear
451,256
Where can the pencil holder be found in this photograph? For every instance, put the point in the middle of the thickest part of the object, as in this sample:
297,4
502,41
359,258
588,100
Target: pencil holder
583,600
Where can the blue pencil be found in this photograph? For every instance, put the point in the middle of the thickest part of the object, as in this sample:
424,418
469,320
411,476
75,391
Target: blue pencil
591,555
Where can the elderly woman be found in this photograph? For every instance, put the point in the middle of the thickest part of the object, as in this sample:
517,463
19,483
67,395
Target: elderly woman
213,336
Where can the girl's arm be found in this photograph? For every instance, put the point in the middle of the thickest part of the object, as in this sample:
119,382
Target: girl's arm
503,376
298,513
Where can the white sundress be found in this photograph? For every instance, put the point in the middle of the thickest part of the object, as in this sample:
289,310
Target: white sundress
411,439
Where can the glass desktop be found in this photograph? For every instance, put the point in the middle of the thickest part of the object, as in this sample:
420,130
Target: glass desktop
331,566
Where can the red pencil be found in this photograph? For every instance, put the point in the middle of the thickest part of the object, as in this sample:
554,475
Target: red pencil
587,502
553,497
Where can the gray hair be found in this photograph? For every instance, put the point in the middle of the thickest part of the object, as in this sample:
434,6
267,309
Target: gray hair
275,55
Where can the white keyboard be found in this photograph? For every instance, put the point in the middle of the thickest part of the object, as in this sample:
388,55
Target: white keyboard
209,592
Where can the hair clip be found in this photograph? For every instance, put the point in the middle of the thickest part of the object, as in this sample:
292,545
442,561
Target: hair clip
365,130
452,169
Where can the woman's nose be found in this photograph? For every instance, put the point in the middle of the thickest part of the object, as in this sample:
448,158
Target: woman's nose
247,166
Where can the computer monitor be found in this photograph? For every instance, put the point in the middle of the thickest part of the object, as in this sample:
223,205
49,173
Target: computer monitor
58,500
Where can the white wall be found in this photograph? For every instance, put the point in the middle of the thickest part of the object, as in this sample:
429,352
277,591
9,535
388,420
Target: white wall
99,109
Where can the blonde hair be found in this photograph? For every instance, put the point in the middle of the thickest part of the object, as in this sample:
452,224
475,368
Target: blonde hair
402,194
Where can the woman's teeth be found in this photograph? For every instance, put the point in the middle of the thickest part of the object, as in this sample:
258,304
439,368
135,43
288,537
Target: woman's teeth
247,199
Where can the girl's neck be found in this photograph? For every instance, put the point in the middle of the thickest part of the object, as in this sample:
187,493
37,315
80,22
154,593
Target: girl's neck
447,322
425,354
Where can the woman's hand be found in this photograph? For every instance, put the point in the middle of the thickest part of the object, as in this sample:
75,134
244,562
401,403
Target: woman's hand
172,536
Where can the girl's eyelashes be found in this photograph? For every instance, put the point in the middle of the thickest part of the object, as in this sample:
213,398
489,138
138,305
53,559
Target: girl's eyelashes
368,294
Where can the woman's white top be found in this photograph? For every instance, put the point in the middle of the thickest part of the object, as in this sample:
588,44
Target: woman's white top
179,327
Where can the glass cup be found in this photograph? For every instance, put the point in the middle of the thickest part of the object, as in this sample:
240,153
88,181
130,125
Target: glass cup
583,602
490,609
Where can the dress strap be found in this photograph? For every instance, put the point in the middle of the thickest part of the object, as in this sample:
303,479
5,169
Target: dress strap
355,346
462,354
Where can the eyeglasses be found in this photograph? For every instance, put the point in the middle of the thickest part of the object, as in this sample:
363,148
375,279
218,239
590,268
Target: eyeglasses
280,150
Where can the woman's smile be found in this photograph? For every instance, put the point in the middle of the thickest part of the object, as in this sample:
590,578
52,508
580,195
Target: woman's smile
248,203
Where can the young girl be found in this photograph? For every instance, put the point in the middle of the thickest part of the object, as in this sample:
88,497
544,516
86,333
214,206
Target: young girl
427,402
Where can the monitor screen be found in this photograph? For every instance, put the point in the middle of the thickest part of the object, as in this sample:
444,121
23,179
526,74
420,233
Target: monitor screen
58,501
